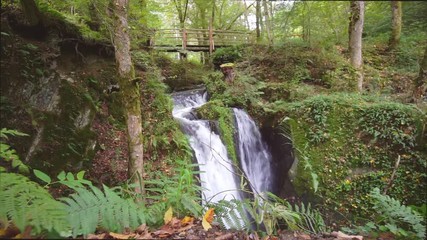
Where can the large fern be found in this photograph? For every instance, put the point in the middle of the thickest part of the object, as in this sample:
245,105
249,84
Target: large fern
91,208
393,213
310,219
232,214
25,203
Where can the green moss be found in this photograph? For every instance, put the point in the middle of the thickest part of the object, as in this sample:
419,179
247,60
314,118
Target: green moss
163,139
216,111
351,143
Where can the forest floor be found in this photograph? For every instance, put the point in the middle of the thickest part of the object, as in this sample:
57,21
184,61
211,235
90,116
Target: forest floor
193,229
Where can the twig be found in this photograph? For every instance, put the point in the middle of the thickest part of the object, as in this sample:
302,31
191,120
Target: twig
390,182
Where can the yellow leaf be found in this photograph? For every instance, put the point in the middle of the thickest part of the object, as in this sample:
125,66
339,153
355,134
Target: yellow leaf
168,215
209,215
187,220
208,218
206,225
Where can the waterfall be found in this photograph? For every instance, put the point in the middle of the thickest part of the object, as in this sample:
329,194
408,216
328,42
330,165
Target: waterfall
218,176
218,179
255,157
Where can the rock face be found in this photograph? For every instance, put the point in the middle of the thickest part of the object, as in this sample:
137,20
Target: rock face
282,157
53,99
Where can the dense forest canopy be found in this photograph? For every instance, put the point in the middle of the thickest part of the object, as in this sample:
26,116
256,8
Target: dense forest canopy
107,107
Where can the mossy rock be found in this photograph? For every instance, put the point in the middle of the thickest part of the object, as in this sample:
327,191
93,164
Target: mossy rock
216,111
349,144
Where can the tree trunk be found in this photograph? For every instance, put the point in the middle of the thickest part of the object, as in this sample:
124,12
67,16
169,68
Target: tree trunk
248,26
258,18
129,91
420,83
355,29
267,22
31,12
396,21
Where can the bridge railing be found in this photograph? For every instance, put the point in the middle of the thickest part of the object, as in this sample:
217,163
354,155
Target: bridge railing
198,39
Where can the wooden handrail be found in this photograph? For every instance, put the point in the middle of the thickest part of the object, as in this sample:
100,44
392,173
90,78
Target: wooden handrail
199,37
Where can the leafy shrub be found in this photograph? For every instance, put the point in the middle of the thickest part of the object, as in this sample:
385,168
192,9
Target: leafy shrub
244,91
226,55
389,124
179,192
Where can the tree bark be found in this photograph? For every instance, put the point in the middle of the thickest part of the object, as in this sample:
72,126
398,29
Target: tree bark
420,83
31,12
258,19
129,91
267,22
355,29
396,24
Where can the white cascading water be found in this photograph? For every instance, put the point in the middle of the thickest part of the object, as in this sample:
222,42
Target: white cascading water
217,177
255,158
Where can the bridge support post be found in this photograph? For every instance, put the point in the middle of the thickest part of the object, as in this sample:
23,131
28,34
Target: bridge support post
211,41
183,52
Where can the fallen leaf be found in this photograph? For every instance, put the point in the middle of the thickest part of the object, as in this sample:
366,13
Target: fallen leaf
96,236
121,236
187,220
206,225
209,215
168,215
141,229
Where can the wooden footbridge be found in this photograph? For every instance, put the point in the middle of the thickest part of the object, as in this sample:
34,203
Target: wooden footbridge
197,40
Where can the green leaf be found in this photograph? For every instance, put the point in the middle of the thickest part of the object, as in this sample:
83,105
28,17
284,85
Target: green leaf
70,177
61,176
80,175
42,176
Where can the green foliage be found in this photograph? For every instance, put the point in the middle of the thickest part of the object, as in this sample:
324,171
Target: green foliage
26,203
178,191
352,143
268,214
226,55
88,209
163,138
310,219
392,216
389,124
216,111
244,91
8,154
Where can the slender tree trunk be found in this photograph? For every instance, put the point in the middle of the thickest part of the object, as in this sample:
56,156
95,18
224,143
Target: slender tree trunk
396,22
258,19
248,26
129,91
420,83
267,22
307,23
355,29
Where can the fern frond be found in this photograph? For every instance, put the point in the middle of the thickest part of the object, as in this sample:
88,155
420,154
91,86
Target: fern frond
232,214
91,208
394,211
309,219
26,203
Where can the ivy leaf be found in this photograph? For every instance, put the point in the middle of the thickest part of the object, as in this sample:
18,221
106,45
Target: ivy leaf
42,176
